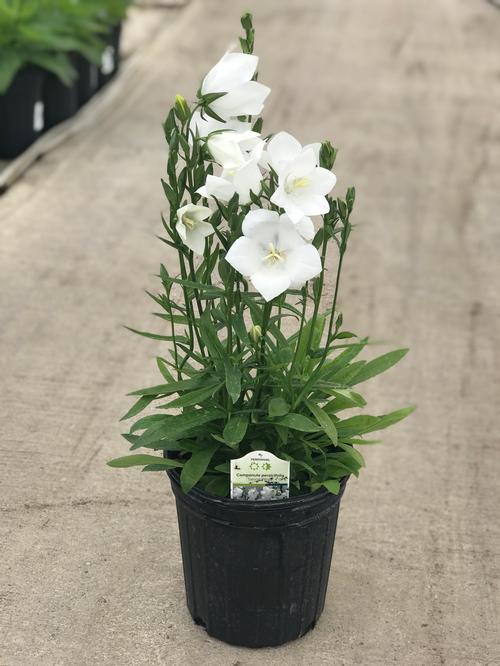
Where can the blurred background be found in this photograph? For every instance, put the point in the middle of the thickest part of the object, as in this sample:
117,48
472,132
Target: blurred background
410,94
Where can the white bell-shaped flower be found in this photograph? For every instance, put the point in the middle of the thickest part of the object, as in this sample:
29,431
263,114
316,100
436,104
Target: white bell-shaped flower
238,153
273,254
233,75
302,184
204,125
192,228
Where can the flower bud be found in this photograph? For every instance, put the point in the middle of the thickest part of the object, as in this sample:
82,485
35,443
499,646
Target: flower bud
255,333
327,155
181,108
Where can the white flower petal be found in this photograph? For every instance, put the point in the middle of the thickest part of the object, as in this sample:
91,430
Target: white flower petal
305,228
304,263
181,230
301,166
270,283
195,241
247,179
288,203
253,220
247,99
322,181
244,256
205,229
217,187
281,149
232,70
310,203
315,147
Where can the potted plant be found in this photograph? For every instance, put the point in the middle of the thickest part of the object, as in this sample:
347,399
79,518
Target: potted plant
113,12
37,41
253,363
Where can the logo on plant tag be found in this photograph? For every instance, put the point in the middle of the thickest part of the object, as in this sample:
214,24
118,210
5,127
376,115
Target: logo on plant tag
108,60
260,476
38,116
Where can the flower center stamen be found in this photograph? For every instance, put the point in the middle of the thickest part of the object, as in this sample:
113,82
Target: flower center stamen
296,184
188,222
274,255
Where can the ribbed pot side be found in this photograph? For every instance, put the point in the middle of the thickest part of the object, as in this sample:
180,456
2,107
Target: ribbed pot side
256,573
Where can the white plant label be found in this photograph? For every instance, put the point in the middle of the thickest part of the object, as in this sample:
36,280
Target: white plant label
108,60
38,116
260,476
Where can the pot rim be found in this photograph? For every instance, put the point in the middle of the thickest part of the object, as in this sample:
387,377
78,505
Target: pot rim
298,501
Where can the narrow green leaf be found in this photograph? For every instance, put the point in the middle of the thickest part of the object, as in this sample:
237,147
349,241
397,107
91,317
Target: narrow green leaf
196,466
144,459
233,380
278,407
235,430
196,397
378,365
324,420
172,387
332,485
138,406
299,422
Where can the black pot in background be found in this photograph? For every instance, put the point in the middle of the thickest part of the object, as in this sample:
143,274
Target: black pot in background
88,79
21,112
61,101
256,573
110,59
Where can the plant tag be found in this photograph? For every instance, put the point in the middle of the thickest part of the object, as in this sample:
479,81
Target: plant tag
108,60
260,476
38,117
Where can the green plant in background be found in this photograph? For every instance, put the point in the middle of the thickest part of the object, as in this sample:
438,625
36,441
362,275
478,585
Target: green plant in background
45,32
263,368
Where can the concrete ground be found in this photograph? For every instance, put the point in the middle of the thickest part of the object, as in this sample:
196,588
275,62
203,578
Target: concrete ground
91,570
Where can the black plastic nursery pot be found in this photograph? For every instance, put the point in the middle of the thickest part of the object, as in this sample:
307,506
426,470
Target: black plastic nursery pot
256,573
110,58
21,112
61,101
88,79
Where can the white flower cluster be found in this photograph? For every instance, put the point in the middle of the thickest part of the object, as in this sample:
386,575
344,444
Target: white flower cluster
275,251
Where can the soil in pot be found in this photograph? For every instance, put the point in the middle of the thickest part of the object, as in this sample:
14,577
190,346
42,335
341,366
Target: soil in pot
88,79
22,117
61,101
256,573
110,58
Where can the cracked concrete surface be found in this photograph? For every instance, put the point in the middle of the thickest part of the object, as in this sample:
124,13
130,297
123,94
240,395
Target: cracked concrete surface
90,562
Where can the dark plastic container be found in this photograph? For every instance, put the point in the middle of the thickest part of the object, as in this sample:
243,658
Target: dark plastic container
61,101
21,112
110,59
256,573
88,79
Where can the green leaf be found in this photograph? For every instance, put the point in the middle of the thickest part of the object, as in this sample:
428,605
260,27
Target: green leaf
173,427
219,486
390,419
235,430
278,407
162,367
324,420
195,397
378,365
144,459
172,387
233,380
332,485
299,422
138,406
196,466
